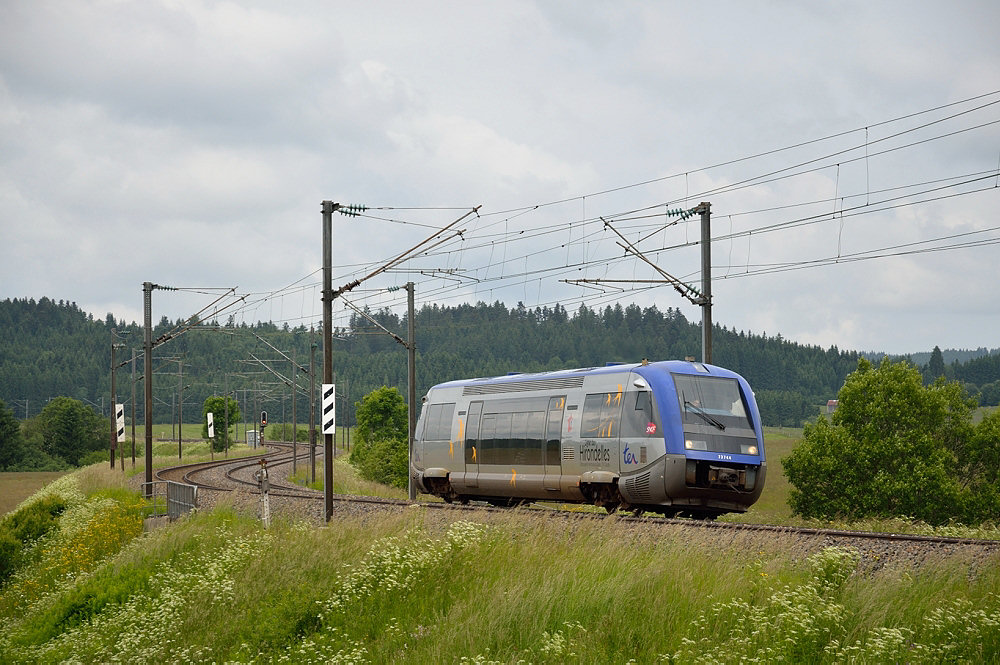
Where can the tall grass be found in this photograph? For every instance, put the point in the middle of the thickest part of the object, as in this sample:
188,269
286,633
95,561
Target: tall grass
422,586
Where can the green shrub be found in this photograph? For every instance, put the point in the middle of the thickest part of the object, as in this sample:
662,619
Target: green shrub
893,448
24,526
385,462
10,554
283,432
380,453
95,456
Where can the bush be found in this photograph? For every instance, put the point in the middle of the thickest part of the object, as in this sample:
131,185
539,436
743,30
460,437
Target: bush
10,554
380,453
95,456
283,432
24,526
386,461
895,448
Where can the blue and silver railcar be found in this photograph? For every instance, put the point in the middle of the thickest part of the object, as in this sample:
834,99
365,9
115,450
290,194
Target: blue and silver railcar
674,437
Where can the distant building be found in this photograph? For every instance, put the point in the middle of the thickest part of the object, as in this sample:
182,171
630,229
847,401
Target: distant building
831,406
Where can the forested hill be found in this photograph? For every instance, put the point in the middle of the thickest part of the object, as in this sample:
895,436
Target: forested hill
50,349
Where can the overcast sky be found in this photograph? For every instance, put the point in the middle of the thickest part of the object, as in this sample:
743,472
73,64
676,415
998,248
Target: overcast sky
849,151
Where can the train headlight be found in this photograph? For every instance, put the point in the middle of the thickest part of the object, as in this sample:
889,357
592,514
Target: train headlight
748,450
692,444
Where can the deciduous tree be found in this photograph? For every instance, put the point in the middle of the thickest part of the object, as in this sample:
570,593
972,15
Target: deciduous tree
894,447
70,429
381,451
217,407
12,450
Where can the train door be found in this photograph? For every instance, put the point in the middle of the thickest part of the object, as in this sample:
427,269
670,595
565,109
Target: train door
553,443
471,444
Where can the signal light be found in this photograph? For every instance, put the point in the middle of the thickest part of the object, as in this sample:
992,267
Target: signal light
263,418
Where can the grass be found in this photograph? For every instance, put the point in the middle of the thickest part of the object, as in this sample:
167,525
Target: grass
509,587
772,506
517,586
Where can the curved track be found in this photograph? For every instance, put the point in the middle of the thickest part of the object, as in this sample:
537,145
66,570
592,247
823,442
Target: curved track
239,472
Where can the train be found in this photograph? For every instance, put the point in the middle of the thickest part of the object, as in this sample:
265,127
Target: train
679,438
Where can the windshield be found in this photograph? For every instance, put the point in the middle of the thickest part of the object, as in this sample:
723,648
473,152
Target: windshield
711,401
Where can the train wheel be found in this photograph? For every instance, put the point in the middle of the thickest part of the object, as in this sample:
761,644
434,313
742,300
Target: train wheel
611,507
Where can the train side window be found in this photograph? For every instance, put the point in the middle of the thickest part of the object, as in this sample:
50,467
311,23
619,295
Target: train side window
590,426
518,437
472,430
601,415
553,430
487,439
431,428
418,433
535,437
438,427
500,452
639,417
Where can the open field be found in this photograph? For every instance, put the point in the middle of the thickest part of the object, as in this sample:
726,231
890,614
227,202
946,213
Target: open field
17,486
192,431
772,506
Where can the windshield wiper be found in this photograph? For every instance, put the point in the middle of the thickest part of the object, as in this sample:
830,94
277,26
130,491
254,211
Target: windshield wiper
704,415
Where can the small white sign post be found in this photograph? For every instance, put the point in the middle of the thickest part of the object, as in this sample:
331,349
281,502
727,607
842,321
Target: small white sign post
329,415
120,421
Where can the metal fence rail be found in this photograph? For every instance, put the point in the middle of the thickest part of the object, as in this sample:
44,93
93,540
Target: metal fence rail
170,498
181,499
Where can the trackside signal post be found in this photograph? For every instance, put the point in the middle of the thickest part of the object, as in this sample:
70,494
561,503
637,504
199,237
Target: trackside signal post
705,209
264,485
328,208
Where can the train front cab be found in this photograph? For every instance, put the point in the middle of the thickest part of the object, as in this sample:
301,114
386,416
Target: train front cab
714,458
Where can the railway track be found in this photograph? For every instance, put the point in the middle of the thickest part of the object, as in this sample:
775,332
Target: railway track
238,476
239,471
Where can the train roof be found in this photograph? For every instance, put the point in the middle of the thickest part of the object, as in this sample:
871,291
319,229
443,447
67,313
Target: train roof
675,366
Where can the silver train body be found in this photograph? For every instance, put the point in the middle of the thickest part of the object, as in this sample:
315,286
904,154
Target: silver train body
673,437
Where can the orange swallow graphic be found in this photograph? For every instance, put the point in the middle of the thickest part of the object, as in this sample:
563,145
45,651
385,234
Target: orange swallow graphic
513,477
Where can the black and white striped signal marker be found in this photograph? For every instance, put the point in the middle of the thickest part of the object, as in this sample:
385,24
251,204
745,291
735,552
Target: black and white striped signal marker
329,415
211,425
120,421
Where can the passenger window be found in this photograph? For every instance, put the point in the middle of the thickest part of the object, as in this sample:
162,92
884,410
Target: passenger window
438,426
472,433
553,430
601,414
638,417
